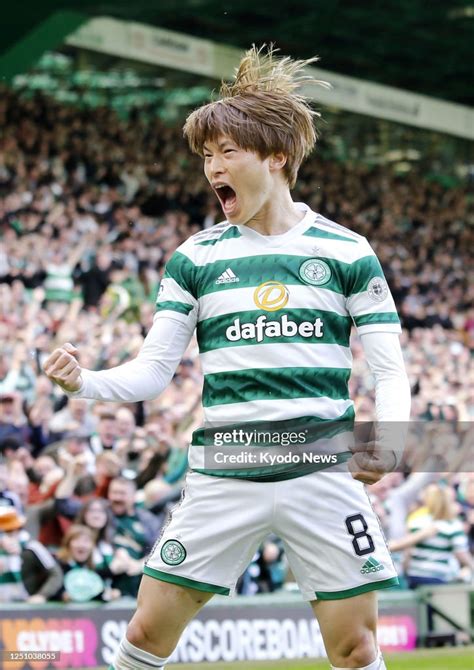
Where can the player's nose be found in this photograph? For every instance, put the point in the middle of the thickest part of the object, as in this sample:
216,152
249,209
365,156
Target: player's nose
215,167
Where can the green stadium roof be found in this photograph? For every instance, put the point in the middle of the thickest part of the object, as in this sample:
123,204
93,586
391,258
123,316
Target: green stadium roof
425,47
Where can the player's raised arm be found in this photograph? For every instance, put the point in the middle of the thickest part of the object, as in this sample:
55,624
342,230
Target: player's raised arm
150,372
143,378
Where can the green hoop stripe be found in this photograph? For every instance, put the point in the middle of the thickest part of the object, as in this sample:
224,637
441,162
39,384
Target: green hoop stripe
182,270
432,547
449,536
174,306
211,333
231,233
346,278
185,581
361,272
349,593
318,232
254,270
378,317
223,388
317,427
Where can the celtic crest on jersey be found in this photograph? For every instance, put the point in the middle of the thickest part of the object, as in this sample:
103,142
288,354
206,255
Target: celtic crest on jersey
315,272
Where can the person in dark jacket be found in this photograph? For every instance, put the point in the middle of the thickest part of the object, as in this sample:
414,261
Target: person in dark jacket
136,530
27,570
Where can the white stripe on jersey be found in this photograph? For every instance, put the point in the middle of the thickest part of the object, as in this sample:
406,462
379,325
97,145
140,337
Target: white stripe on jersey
241,247
241,299
276,410
232,359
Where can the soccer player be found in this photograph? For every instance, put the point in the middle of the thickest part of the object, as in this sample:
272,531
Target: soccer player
272,292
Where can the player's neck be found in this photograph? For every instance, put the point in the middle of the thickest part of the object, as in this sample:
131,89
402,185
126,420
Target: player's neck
277,216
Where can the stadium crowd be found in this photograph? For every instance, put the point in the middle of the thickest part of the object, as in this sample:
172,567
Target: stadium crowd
91,209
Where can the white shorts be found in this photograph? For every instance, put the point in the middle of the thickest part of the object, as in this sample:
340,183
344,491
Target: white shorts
331,535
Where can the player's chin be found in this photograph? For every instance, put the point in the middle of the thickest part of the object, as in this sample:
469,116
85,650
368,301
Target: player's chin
235,217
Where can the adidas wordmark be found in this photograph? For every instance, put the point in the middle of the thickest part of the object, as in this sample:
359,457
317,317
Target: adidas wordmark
227,277
371,565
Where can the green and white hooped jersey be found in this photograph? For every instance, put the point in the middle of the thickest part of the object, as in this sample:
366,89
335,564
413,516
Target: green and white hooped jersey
273,317
435,557
59,284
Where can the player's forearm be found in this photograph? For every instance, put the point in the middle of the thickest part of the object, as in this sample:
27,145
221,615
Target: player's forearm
392,390
130,382
147,375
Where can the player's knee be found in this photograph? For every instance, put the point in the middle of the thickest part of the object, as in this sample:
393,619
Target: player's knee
357,650
144,635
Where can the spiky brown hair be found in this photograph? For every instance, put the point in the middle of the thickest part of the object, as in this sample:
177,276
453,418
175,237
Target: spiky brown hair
261,110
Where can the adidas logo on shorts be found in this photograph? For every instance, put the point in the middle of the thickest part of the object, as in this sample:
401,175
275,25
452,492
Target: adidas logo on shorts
371,565
227,277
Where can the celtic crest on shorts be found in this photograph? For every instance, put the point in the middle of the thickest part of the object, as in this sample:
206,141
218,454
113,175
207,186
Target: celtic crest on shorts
173,552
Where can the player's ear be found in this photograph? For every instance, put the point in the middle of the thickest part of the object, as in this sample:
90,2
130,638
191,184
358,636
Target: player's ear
277,161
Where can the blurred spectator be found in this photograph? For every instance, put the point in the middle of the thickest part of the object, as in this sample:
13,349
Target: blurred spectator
78,485
440,552
266,572
135,531
466,500
12,419
83,580
96,515
95,280
27,570
106,435
73,417
126,423
7,497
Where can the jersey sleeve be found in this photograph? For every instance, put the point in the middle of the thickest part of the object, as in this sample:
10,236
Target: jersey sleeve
368,297
177,293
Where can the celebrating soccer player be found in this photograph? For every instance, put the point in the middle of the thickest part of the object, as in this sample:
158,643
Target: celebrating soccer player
273,292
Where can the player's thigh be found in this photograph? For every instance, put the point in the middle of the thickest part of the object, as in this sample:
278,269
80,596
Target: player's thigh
163,612
332,537
347,624
213,534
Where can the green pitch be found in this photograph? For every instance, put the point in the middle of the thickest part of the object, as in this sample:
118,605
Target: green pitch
426,659
436,659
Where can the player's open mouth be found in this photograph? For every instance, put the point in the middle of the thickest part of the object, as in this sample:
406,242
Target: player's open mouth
227,197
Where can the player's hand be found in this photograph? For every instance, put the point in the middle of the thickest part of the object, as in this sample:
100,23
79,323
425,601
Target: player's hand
369,464
63,369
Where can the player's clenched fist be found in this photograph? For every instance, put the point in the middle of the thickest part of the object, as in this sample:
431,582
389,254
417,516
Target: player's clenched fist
62,367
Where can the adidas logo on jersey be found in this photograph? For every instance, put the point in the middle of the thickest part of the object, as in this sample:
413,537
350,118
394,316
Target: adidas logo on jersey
371,565
227,277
